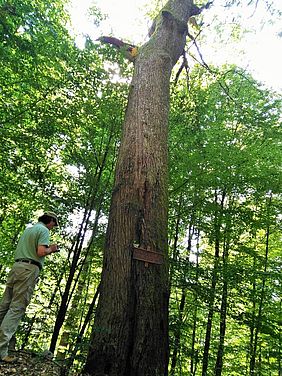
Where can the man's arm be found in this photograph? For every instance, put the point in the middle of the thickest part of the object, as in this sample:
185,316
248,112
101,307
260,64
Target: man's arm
43,250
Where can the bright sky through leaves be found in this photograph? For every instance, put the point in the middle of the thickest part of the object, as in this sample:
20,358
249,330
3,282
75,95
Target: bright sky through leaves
259,51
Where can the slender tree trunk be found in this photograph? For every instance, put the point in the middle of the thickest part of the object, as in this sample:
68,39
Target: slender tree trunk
217,221
177,337
224,297
72,320
252,325
27,332
280,341
76,301
79,337
194,352
223,312
258,318
130,335
175,251
259,362
66,294
71,282
175,255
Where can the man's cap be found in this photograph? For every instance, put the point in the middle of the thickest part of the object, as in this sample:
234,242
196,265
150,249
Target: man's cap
52,215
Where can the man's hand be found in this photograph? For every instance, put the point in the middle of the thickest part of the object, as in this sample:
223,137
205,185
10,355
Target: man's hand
43,250
54,248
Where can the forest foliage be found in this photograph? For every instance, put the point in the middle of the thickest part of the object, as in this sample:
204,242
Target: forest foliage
61,115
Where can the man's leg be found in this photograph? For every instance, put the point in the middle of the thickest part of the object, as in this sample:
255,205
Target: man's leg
6,299
22,281
5,302
4,307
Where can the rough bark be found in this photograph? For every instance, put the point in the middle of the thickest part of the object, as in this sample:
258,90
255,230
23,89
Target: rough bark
130,335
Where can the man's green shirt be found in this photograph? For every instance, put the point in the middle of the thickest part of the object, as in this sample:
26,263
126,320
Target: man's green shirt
31,238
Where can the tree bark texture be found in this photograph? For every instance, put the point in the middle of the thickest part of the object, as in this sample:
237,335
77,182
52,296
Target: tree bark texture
130,334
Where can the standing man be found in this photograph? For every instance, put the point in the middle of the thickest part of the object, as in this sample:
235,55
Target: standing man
30,253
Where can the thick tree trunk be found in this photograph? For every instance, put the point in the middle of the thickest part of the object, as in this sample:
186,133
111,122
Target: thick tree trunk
130,335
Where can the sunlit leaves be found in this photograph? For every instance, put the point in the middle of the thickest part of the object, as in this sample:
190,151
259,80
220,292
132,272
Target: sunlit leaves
225,139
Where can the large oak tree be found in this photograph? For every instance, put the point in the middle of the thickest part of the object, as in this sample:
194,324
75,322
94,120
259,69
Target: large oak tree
130,334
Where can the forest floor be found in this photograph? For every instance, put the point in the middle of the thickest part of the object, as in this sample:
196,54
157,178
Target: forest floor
30,364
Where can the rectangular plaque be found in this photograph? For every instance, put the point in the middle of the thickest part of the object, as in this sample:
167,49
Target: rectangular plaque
147,256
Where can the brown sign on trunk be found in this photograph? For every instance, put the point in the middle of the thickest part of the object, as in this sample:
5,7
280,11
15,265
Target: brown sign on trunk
148,256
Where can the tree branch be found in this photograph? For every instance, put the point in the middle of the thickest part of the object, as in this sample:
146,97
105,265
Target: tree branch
129,50
197,10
